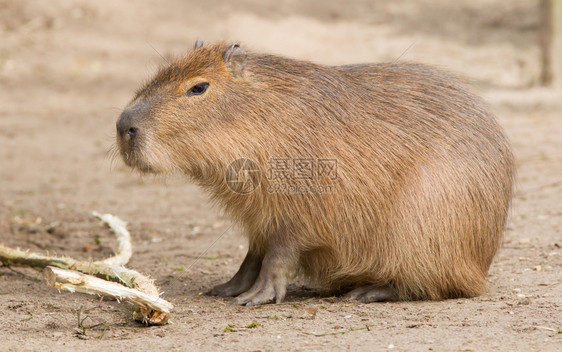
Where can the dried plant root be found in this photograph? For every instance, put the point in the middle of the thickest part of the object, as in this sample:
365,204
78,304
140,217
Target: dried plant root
119,228
130,278
105,277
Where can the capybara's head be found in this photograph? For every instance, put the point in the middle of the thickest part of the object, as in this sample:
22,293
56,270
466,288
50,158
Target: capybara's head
184,115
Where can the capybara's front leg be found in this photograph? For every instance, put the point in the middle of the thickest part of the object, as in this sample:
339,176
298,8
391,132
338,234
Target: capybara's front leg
271,283
243,279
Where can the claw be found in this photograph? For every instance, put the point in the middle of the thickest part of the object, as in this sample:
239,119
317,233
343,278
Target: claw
263,291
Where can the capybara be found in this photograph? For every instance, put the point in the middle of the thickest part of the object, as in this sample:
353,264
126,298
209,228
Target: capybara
390,180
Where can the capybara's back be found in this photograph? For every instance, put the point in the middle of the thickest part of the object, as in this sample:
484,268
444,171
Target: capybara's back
424,172
425,164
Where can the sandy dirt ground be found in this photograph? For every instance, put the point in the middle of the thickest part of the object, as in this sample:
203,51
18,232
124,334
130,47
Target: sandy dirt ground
67,68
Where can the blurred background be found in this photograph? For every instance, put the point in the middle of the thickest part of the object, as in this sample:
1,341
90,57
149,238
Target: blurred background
491,42
68,67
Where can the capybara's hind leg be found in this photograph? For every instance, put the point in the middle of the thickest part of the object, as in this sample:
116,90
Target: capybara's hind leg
372,293
242,280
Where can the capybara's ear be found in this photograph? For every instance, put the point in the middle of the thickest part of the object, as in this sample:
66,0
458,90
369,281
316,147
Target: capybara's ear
235,58
198,44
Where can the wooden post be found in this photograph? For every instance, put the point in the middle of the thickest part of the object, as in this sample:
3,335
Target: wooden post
550,41
556,52
545,41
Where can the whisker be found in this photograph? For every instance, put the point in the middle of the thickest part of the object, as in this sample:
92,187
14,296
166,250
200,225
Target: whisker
114,108
405,51
153,48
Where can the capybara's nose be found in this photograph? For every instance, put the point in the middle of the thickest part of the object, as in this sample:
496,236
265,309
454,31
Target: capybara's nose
126,125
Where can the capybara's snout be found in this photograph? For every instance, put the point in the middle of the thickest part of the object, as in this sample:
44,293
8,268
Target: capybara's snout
127,125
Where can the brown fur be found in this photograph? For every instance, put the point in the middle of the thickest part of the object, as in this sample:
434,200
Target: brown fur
424,171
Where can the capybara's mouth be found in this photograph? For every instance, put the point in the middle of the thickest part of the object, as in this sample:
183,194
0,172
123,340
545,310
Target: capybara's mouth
133,157
134,161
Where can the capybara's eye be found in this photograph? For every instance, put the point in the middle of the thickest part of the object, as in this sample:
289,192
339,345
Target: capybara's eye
198,89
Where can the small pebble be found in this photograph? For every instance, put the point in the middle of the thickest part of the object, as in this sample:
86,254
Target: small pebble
218,225
310,313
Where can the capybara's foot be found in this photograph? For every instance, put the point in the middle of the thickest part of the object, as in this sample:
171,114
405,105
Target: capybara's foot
242,280
264,290
271,284
372,293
